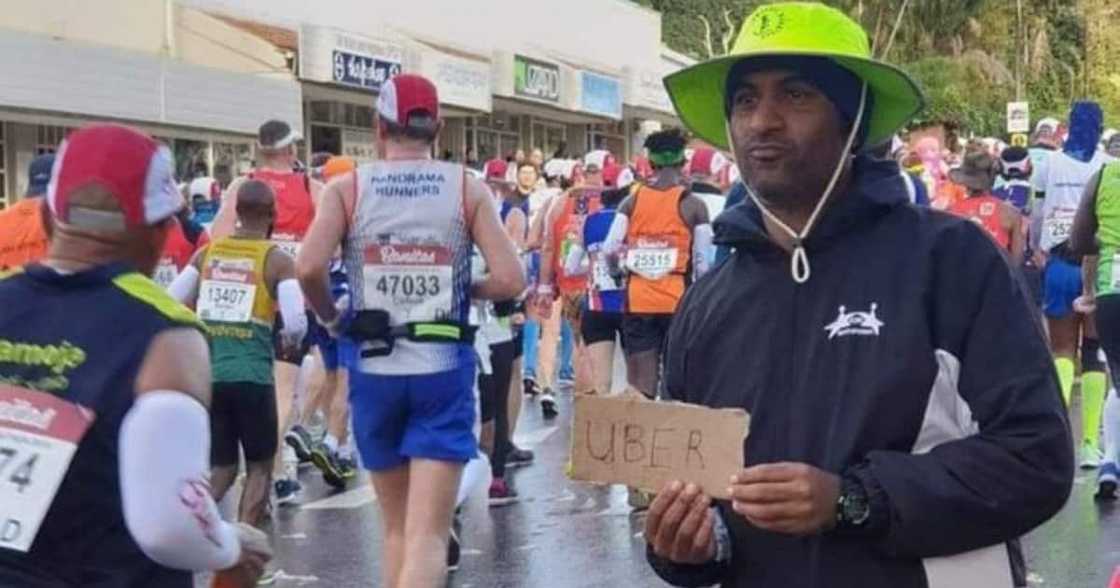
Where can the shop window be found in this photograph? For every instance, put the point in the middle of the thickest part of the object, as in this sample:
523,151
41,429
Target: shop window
49,138
231,160
549,138
190,159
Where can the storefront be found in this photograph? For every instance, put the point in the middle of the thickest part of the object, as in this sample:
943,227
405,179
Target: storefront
209,116
463,81
601,95
342,74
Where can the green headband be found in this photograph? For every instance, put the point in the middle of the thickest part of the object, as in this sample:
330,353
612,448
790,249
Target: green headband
666,158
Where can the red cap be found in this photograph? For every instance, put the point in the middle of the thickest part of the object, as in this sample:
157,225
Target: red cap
133,167
706,161
496,169
405,95
643,167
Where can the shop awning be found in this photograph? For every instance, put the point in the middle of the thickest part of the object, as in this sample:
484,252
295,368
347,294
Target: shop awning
39,73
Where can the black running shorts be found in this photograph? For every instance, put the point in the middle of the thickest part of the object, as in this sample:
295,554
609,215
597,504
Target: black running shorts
645,332
242,414
601,327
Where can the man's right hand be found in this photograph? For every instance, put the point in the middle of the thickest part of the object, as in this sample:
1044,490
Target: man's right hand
255,552
680,526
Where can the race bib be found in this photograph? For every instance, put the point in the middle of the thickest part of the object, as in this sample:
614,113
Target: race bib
412,282
227,293
651,262
1060,224
601,278
166,272
39,434
287,243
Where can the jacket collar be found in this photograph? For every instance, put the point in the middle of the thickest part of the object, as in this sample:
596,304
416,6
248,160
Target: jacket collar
877,188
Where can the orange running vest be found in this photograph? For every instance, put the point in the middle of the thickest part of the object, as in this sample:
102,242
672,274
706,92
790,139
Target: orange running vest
294,208
567,231
22,237
658,251
985,211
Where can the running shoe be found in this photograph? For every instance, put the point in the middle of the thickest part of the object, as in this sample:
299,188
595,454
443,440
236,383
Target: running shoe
268,578
530,386
501,494
300,441
519,457
565,381
1090,455
1107,481
327,462
287,491
454,549
348,467
548,404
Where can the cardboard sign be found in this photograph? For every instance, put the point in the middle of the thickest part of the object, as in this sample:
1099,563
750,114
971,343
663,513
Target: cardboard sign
643,444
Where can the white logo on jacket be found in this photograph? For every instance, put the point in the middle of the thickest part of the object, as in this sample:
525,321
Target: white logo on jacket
855,323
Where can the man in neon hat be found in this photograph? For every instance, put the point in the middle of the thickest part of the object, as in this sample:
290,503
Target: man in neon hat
905,414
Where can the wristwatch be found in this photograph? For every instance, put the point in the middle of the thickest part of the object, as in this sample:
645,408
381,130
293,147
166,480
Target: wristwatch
853,509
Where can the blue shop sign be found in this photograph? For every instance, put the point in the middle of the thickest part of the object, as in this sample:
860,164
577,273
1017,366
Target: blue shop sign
601,95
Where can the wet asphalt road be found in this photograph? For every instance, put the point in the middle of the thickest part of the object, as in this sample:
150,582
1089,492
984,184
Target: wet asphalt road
569,534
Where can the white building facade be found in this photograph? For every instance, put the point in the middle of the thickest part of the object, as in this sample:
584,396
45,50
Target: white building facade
564,77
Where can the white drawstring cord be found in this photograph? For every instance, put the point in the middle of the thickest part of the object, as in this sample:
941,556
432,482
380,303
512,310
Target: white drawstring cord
799,261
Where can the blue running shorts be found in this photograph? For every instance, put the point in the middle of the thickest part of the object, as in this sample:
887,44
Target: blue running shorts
430,416
1061,285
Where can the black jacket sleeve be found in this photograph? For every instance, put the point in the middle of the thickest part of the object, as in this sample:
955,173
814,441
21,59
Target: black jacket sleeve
1014,469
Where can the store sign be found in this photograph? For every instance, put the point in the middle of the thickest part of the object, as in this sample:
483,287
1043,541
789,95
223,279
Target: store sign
362,71
644,88
336,57
1018,117
536,79
600,95
461,82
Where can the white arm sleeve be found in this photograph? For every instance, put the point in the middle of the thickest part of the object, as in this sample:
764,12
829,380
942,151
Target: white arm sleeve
616,236
703,252
575,257
164,468
290,298
184,285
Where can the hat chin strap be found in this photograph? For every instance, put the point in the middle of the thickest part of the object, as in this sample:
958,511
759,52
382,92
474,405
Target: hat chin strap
799,262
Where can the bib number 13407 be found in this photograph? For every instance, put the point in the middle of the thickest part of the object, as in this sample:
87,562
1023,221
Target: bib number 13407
39,434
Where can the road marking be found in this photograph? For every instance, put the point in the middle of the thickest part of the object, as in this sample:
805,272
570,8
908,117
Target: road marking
355,498
529,440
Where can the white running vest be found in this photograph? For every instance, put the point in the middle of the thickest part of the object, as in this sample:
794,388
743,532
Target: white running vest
1063,179
408,252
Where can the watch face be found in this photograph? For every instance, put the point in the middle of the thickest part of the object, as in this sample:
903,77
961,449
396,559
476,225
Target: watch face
856,510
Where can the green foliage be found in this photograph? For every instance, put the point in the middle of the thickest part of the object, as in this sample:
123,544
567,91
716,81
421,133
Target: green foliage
967,54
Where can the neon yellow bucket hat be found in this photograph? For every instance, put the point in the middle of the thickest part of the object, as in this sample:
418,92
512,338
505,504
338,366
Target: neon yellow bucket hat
807,29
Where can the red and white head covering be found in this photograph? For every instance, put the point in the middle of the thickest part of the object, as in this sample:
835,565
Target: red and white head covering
130,165
706,162
405,95
597,160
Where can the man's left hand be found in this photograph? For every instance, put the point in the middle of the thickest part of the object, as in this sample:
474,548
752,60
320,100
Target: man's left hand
790,498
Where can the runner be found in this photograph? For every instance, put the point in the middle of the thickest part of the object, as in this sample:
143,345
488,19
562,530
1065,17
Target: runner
563,226
601,323
703,171
296,198
514,211
407,226
24,225
1112,144
1000,219
205,197
186,237
1015,169
237,284
668,242
120,496
334,455
1096,235
1059,183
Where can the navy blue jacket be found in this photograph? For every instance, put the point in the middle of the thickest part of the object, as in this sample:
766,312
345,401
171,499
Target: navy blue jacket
910,360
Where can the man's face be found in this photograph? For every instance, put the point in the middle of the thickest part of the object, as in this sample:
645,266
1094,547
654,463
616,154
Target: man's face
537,158
527,177
788,136
1113,148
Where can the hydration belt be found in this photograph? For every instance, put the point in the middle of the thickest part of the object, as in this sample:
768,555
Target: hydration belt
372,326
